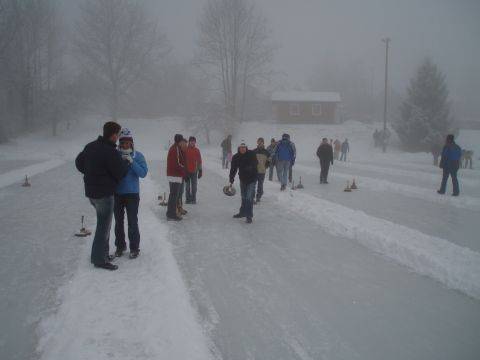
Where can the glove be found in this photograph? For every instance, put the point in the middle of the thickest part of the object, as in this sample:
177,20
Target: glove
200,173
128,158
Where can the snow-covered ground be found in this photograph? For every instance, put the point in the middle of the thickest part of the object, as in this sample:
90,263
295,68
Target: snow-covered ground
389,271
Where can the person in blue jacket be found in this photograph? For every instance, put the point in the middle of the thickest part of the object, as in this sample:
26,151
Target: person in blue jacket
127,196
285,154
450,162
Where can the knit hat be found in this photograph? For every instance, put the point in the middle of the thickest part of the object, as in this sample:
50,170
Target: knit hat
192,138
126,134
286,137
243,144
178,138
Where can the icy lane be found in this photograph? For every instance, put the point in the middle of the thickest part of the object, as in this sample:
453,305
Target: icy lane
282,288
37,253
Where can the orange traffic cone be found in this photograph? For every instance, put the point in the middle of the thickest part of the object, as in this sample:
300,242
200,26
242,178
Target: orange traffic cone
348,188
26,183
354,186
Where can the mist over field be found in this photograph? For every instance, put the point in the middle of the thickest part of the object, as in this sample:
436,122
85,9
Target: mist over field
239,179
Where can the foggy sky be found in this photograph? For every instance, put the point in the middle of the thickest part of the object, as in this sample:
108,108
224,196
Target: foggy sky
312,31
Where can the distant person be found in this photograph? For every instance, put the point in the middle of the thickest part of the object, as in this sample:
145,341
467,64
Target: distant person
263,156
272,160
376,138
127,196
290,169
194,170
285,155
226,146
180,210
436,150
450,162
345,149
325,155
103,169
337,147
175,175
468,159
245,162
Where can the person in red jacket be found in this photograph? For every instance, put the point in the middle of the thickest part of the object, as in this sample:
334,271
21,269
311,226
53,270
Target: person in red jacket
176,172
194,170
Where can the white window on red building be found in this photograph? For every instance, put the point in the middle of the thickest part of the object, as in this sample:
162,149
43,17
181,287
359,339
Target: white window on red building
294,109
316,109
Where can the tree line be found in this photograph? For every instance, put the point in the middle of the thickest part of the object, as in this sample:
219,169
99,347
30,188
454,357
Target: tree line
114,60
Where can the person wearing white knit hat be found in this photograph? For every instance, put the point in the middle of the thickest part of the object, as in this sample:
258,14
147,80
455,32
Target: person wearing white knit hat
127,196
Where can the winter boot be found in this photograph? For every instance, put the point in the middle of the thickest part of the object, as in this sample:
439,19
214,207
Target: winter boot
238,216
134,254
249,220
119,252
107,266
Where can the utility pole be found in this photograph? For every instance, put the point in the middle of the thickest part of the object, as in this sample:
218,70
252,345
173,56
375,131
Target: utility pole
384,140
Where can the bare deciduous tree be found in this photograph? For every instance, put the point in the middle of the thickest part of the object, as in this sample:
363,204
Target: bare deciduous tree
118,41
234,50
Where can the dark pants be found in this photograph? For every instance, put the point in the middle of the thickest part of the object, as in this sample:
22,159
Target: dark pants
128,202
450,171
260,181
343,156
173,197
225,159
248,192
290,173
191,187
270,171
324,167
100,246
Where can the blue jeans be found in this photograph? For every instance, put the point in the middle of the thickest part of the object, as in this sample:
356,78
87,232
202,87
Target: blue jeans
191,187
248,192
450,171
128,202
283,168
270,171
100,246
260,181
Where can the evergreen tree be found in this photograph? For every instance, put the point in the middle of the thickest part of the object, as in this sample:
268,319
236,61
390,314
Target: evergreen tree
425,114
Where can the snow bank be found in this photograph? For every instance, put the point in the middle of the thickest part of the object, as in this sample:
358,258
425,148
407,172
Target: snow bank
433,178
455,266
141,311
415,192
17,176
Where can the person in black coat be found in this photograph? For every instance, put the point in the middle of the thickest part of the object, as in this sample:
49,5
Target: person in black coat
325,154
245,162
102,167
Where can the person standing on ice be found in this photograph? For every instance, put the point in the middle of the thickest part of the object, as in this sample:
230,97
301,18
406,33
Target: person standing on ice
450,162
245,162
290,169
271,160
175,174
226,146
337,146
325,154
345,149
194,170
263,163
127,196
285,154
103,169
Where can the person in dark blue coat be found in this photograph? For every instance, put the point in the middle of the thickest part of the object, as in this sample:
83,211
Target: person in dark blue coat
450,162
285,154
127,196
103,168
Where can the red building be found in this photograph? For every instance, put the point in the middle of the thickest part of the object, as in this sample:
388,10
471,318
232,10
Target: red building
305,107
